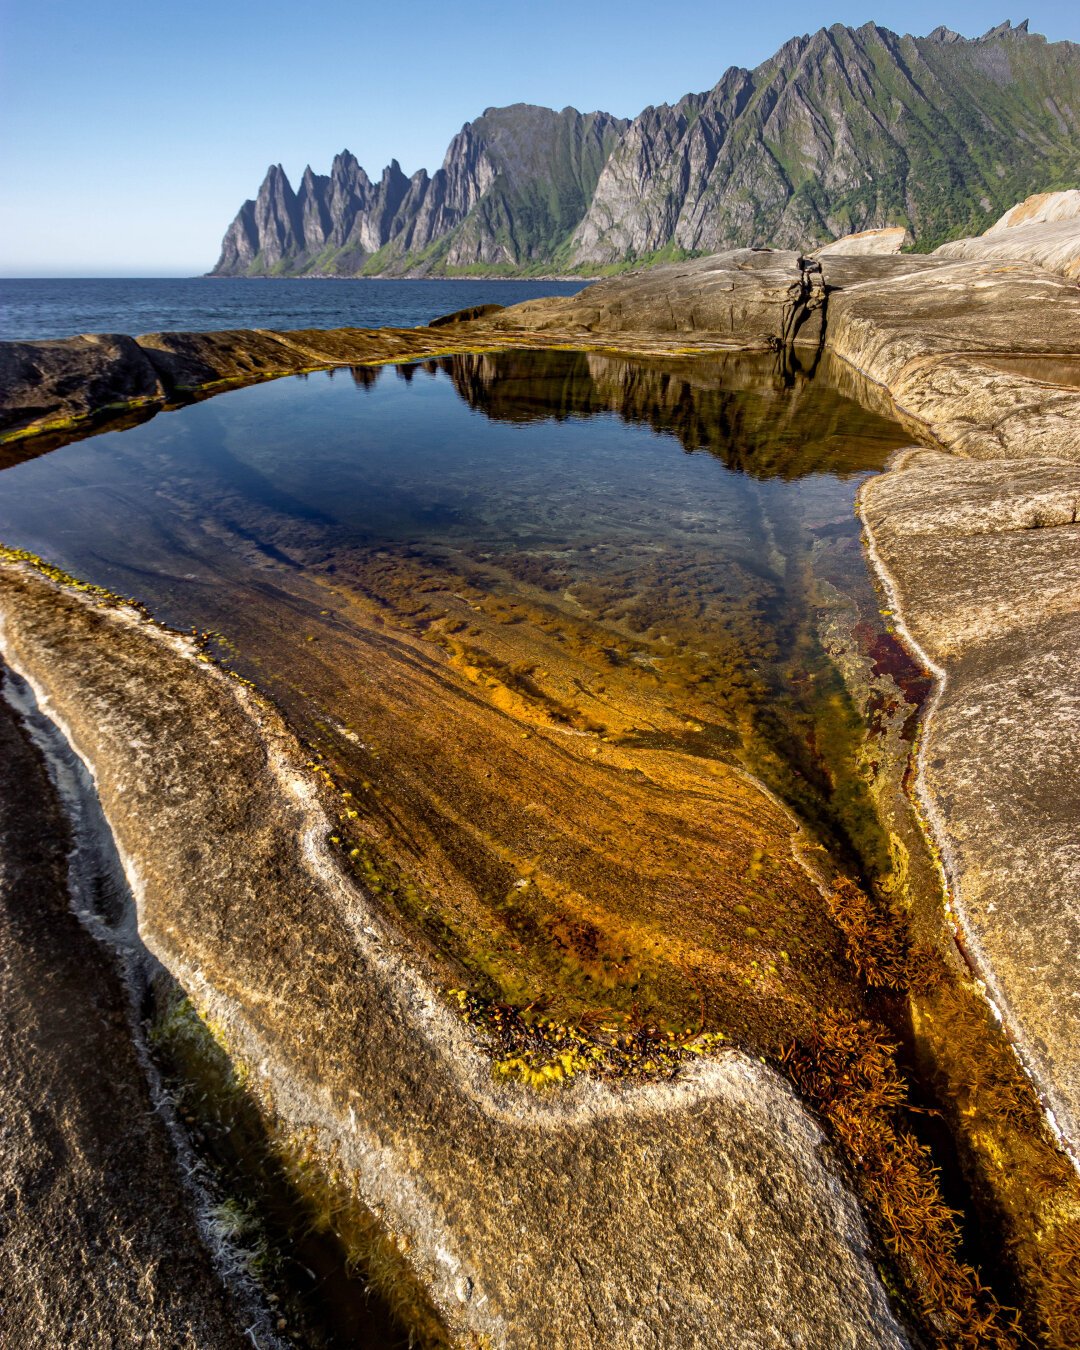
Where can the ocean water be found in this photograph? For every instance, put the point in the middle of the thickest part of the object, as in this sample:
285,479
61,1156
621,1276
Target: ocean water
59,307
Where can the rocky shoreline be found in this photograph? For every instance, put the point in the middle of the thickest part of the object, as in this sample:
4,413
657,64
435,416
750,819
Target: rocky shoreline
976,542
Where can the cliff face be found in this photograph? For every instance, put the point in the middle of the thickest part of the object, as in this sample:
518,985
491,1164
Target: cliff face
512,188
840,131
845,130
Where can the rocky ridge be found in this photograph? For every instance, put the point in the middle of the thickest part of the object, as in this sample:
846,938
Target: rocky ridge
843,130
512,186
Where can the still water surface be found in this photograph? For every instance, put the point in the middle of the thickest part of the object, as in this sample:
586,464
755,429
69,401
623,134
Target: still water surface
662,539
59,307
537,613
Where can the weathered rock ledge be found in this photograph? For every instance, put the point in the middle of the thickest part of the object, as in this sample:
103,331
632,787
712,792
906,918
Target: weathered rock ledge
980,552
100,1246
704,1210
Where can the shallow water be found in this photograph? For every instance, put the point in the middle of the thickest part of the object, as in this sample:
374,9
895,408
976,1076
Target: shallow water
627,560
584,463
657,518
537,614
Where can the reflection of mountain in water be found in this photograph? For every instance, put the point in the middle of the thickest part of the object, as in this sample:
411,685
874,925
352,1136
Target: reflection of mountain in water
744,408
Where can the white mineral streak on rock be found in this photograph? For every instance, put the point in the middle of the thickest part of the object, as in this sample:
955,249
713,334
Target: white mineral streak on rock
722,1171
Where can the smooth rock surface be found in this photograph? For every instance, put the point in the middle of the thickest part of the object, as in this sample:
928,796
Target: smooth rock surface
1044,229
864,243
983,560
707,1210
954,346
99,1245
754,297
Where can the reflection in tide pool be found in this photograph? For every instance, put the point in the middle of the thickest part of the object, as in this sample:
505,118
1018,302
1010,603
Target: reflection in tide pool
677,522
536,612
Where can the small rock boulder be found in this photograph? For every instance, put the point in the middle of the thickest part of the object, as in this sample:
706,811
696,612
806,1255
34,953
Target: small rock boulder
889,240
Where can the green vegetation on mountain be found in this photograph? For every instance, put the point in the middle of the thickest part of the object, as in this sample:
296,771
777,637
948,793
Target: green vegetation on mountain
842,130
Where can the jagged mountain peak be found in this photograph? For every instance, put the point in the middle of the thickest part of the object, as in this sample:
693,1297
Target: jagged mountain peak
843,129
275,176
1005,29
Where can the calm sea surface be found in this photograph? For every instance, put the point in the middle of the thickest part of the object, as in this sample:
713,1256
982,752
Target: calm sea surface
55,308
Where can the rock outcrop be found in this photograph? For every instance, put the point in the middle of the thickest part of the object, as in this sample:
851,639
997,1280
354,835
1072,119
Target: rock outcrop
752,297
73,379
866,243
1045,230
843,130
983,356
983,564
979,548
100,1244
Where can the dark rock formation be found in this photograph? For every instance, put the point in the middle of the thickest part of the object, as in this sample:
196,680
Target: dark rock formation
841,131
72,378
465,315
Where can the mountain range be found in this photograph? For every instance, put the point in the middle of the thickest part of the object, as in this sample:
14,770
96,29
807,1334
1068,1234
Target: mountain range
841,130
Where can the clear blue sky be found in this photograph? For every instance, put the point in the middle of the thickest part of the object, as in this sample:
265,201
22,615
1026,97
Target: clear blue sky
131,132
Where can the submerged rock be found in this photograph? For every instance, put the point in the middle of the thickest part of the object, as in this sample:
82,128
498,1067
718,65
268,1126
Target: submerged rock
708,1209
